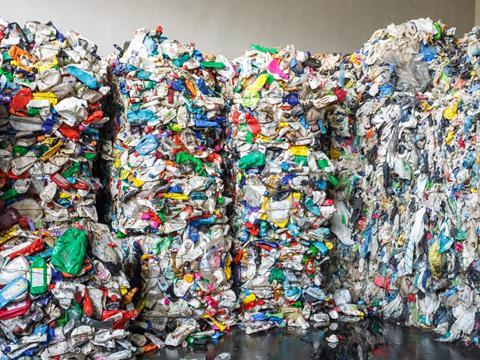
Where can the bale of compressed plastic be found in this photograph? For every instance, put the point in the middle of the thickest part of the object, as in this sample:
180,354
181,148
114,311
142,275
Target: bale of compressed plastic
282,179
60,271
167,181
412,197
51,115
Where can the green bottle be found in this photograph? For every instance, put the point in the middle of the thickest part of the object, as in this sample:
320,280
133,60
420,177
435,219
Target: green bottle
38,276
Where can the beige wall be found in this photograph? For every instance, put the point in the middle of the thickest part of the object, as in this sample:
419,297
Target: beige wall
477,12
230,26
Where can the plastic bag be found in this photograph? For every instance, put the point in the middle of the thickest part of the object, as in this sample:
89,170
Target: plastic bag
69,251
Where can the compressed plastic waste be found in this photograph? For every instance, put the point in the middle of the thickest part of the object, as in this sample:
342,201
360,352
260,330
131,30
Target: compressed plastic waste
50,123
287,109
169,203
283,181
406,145
351,183
62,284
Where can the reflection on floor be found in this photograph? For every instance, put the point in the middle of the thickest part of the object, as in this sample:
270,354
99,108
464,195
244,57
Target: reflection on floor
369,339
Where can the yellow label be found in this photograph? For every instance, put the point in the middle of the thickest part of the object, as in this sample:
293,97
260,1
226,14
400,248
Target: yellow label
426,106
335,154
50,141
450,112
175,196
281,224
249,299
228,268
46,96
355,59
299,150
65,195
263,138
124,174
20,65
10,234
50,152
46,64
137,182
259,83
221,326
264,205
435,259
449,137
401,240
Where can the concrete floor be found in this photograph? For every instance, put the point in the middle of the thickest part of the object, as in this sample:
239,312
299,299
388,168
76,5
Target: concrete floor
365,340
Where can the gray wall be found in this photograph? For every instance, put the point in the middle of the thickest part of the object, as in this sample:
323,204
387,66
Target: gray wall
230,26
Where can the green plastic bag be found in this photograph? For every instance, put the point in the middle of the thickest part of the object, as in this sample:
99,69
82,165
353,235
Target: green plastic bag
185,158
263,49
276,274
254,159
69,251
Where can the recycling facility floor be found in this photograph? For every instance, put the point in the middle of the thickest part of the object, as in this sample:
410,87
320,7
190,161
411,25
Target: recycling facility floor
365,340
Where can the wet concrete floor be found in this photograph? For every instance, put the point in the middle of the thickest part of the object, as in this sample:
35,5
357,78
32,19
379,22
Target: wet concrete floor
364,340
